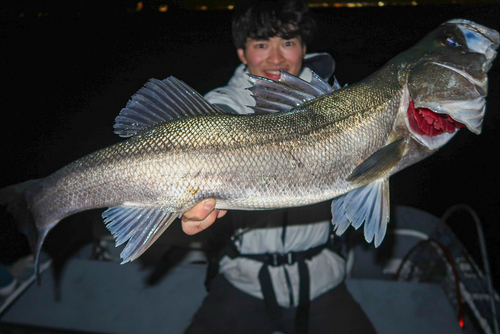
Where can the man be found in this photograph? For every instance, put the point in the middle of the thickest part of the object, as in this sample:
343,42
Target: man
279,272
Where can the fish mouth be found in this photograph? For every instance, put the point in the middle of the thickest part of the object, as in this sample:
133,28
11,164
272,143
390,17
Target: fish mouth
479,39
433,118
448,93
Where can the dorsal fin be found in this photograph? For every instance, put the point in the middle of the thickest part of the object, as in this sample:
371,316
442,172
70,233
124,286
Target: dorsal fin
161,101
289,92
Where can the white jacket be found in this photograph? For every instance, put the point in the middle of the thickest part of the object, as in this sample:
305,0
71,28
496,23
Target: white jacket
327,269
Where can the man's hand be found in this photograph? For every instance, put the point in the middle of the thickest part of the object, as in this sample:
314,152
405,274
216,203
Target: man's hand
201,216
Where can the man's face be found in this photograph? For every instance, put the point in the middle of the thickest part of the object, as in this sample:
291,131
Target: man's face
266,57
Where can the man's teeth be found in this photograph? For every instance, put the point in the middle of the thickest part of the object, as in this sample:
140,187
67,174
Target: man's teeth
273,72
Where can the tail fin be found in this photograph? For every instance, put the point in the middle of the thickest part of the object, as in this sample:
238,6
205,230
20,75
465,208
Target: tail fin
16,197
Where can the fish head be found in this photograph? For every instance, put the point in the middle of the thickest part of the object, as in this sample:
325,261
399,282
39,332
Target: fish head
446,79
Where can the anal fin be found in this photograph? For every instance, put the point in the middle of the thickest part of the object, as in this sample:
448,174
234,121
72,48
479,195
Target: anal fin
140,227
369,205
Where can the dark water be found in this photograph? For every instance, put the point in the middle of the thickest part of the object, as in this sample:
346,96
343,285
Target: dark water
65,80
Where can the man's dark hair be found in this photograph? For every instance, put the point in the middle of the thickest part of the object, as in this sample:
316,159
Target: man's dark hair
262,20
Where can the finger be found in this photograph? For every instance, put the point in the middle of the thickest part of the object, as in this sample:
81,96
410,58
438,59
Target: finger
200,211
191,227
221,213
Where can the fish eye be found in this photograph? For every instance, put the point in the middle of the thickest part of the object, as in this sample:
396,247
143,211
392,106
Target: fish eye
449,41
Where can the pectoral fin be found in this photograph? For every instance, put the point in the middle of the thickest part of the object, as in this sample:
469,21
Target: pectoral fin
141,227
369,205
379,163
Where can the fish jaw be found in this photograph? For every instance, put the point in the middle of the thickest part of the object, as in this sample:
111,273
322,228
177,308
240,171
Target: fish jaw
479,39
447,87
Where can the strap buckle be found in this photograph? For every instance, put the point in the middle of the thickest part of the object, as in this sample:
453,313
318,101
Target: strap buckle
275,259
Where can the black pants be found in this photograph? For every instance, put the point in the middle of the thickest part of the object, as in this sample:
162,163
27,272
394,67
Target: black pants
229,310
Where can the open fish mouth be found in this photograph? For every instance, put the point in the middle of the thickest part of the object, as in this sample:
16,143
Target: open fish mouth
479,39
433,118
454,98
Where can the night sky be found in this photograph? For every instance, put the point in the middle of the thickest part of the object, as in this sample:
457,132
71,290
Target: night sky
66,78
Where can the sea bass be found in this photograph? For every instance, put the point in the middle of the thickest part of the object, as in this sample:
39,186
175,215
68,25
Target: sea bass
306,143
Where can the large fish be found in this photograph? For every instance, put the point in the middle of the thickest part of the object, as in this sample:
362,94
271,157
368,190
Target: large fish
307,143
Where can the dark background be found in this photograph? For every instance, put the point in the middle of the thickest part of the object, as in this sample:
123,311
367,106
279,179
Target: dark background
66,77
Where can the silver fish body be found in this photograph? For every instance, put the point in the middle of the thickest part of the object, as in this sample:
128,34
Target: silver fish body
246,162
343,144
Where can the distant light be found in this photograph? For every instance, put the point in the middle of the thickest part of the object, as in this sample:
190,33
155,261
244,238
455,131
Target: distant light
203,7
163,8
140,6
381,4
414,3
230,7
